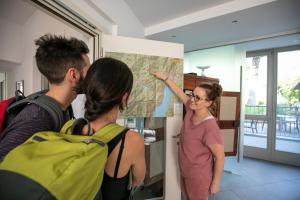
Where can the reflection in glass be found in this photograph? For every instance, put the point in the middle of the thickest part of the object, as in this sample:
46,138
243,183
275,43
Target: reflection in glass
256,99
288,102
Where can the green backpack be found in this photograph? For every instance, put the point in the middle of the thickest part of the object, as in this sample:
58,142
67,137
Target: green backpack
63,166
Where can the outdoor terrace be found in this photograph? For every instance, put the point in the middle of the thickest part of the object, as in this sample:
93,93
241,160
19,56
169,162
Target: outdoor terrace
287,127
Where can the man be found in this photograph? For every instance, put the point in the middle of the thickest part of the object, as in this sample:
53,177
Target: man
64,62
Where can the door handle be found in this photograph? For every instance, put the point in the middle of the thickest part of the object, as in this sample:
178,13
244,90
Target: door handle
236,124
176,137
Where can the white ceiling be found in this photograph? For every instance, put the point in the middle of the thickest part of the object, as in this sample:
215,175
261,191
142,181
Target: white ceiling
282,41
200,24
157,11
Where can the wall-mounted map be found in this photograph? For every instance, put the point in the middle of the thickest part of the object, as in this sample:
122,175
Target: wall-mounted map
150,97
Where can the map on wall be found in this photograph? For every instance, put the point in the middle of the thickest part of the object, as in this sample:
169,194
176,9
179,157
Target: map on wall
150,97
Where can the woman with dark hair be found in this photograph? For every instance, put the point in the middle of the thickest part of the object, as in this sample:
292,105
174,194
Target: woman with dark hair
201,152
108,85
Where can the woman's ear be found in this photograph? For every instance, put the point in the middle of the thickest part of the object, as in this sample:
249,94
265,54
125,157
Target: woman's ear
209,103
125,100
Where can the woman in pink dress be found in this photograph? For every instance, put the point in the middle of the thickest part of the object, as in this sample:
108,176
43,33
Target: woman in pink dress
201,152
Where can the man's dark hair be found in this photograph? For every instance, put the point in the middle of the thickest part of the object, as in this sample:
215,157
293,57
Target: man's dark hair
56,54
106,82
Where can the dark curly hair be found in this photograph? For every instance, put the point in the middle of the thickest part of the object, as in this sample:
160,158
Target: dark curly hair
56,54
106,82
213,91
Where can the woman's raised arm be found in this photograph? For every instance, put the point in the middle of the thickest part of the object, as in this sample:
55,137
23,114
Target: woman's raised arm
177,90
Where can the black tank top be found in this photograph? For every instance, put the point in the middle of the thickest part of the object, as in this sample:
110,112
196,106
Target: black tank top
114,188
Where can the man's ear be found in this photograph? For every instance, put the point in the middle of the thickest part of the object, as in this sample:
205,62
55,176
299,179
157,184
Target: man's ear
73,74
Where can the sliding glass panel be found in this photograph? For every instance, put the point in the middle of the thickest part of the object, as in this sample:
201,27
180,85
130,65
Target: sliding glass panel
256,101
288,102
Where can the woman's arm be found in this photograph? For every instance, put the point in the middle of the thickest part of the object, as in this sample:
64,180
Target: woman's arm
177,91
138,167
218,152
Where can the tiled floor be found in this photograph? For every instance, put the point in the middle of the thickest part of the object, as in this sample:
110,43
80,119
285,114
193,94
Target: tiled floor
144,194
257,180
261,180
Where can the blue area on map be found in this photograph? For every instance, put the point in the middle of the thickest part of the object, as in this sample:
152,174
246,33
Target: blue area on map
161,110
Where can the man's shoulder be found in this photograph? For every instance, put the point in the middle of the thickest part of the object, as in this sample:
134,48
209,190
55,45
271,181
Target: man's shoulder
31,119
31,116
33,111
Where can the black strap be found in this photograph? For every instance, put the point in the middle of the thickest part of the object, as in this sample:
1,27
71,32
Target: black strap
19,95
53,108
42,100
119,156
47,103
71,113
77,127
115,141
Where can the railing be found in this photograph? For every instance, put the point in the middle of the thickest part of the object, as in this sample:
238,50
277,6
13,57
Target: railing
255,110
262,110
287,121
287,110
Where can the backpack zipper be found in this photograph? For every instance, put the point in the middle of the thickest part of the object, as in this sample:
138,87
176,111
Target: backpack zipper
87,141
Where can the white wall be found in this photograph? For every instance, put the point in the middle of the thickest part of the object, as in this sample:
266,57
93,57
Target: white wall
17,42
225,65
2,79
127,23
110,16
23,46
10,83
10,41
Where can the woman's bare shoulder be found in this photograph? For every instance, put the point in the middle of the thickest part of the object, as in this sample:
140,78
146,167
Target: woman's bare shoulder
134,137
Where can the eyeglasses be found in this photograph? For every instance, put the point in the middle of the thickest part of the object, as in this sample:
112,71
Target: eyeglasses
196,97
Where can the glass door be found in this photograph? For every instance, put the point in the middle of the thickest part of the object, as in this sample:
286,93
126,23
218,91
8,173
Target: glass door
272,105
287,140
255,98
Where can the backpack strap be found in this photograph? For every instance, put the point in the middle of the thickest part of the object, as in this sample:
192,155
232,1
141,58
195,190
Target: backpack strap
47,103
120,154
110,131
66,129
21,100
53,108
105,134
42,93
19,95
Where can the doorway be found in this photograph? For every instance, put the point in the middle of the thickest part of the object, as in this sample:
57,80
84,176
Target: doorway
272,107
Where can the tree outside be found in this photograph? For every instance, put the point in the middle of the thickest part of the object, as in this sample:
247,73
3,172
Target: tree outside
286,89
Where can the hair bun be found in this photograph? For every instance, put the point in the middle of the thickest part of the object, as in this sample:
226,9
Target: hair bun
106,83
217,89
